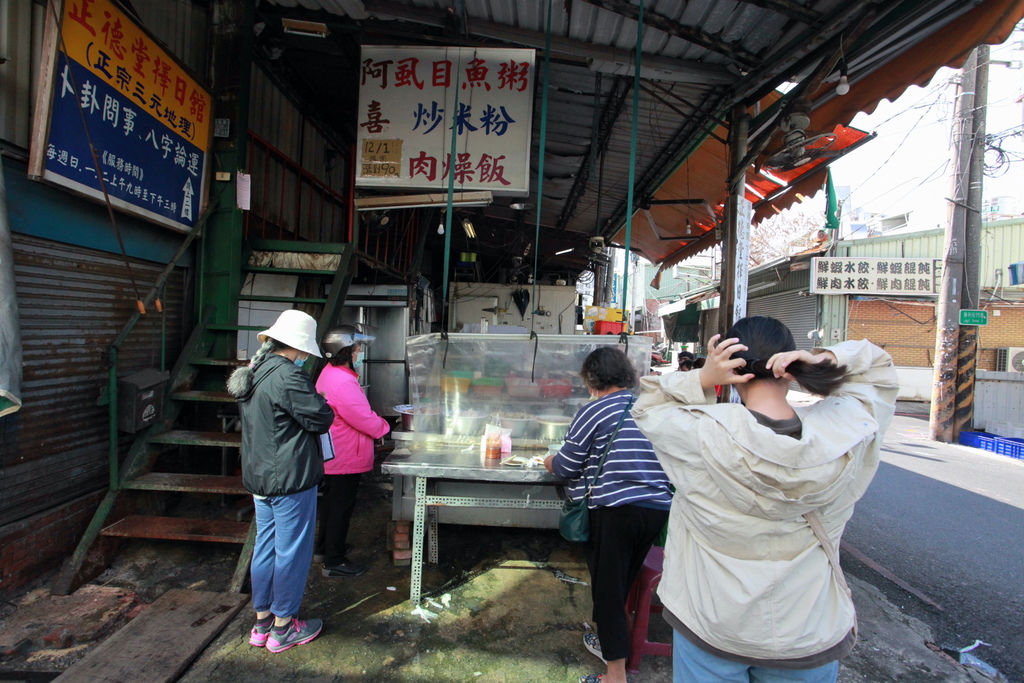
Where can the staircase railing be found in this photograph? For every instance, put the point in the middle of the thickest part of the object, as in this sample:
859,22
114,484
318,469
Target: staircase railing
113,350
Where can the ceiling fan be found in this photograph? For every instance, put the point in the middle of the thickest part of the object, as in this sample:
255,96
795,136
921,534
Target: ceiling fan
799,147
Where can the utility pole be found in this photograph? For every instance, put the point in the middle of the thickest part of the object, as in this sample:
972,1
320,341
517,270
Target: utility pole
967,356
964,176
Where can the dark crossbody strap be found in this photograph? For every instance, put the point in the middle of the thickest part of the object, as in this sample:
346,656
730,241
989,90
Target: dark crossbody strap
608,446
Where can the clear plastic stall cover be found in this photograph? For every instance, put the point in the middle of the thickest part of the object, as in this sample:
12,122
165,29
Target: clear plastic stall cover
530,385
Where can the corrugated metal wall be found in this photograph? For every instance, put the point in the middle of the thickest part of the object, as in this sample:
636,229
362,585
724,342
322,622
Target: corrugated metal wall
274,117
21,34
182,27
1002,243
999,397
72,304
285,202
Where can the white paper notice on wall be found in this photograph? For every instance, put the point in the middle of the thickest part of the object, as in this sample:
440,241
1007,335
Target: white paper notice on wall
243,191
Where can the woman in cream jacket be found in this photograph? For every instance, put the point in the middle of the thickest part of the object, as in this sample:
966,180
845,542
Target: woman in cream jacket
748,585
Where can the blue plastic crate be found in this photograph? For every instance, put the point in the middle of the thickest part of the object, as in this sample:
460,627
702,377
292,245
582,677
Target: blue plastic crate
1013,447
980,440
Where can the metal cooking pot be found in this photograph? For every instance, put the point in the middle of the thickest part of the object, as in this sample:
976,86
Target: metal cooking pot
522,427
464,424
552,427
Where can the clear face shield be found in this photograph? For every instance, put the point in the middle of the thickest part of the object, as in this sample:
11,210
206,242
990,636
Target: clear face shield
343,336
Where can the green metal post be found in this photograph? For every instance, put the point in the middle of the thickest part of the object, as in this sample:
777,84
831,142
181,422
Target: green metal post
221,265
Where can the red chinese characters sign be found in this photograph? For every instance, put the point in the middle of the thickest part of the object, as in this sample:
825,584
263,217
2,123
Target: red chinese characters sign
117,93
412,99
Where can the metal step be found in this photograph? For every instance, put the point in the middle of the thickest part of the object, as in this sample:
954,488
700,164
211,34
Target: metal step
225,362
235,328
281,299
179,529
296,246
191,438
287,271
192,483
211,396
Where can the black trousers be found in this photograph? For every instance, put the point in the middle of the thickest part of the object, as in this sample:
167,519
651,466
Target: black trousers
337,502
620,538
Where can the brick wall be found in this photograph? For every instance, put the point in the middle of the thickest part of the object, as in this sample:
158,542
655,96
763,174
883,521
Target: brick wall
37,544
907,330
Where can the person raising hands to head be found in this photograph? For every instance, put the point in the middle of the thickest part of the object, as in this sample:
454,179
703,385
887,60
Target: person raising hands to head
752,585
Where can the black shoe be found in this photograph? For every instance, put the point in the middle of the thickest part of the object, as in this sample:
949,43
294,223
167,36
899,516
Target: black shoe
318,558
344,569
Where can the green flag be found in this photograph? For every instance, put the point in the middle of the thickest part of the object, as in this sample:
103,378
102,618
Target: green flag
831,204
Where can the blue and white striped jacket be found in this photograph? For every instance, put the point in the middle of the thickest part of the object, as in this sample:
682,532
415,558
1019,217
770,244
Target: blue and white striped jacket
631,474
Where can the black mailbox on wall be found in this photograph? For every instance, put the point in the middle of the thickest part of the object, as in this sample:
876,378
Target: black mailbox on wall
140,399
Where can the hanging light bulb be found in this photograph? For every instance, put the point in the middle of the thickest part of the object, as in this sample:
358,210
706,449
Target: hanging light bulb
688,226
843,86
440,228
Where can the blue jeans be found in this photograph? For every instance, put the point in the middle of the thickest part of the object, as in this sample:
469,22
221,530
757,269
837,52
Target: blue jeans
285,528
690,664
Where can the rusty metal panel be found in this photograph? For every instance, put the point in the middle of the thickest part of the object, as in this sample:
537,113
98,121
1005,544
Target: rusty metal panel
72,304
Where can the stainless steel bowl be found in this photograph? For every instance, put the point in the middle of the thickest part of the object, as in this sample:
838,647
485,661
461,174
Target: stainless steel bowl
418,419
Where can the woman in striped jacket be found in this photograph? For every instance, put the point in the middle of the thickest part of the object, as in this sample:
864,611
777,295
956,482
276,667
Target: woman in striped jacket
629,501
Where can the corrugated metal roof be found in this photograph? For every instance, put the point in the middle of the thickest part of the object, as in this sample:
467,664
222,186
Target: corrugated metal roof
718,54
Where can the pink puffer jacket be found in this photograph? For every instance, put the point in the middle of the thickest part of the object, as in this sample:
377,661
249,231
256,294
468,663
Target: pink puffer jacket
355,424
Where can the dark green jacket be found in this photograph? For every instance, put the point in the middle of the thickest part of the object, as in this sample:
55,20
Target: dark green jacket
282,419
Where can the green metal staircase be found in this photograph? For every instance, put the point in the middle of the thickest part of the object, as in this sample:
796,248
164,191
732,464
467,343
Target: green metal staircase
195,397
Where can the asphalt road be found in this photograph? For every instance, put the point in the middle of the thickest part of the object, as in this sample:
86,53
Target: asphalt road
948,520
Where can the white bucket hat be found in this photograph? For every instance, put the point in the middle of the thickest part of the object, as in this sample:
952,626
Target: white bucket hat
296,329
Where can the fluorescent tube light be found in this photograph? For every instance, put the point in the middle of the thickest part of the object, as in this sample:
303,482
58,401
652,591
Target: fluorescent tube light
417,201
310,29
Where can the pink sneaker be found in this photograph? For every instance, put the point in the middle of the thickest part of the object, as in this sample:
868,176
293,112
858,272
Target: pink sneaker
296,633
259,634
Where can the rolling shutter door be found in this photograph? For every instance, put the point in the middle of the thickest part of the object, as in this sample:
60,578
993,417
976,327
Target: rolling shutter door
72,304
798,313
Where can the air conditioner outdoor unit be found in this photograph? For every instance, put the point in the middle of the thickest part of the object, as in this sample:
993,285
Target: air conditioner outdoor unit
1010,359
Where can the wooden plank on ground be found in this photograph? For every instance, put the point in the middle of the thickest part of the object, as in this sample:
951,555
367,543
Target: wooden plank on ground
159,644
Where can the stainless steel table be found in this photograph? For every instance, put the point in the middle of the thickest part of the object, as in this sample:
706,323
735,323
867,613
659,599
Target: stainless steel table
427,462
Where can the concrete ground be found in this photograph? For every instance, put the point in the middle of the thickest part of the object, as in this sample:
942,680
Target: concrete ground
502,614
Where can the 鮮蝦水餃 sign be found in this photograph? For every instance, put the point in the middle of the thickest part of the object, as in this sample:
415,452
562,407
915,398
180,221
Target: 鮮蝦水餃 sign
878,276
147,119
411,99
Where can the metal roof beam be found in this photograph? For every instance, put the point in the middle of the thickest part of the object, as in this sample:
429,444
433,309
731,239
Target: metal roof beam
681,31
613,107
789,8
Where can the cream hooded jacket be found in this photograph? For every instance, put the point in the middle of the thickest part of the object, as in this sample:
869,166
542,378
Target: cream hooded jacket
743,570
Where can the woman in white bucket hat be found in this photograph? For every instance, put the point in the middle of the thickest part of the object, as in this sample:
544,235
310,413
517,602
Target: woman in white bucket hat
282,465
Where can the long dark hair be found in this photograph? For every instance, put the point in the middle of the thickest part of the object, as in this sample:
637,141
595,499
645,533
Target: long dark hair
686,360
607,366
343,357
764,337
241,380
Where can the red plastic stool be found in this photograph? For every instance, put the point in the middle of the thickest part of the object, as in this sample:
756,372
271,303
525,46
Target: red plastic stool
639,609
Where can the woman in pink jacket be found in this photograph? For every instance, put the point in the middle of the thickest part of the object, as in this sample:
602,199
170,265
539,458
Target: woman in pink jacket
354,428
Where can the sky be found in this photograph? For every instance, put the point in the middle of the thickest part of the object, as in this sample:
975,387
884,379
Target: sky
906,168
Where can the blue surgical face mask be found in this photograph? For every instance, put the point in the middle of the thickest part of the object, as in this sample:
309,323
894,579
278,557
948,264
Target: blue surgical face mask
357,360
299,362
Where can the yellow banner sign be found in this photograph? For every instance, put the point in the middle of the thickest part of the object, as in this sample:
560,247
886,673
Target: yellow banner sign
99,36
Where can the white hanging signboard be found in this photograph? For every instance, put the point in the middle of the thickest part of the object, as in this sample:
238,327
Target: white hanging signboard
407,97
876,276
